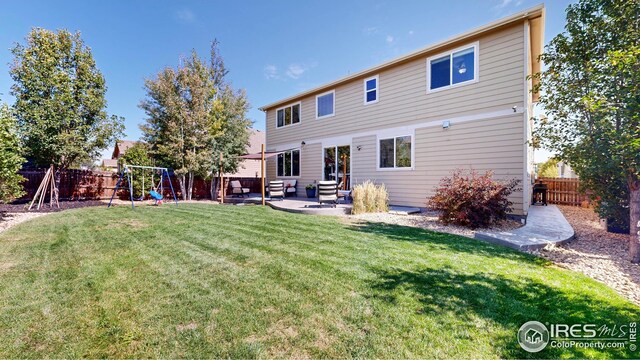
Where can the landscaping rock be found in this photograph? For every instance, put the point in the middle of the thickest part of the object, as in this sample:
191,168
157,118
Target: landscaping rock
429,220
597,253
8,220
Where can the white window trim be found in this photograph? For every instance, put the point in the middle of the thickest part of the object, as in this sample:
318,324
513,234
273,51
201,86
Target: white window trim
336,145
393,136
289,176
377,89
334,104
476,68
291,106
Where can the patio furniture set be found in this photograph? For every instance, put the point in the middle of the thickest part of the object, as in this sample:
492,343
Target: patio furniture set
327,193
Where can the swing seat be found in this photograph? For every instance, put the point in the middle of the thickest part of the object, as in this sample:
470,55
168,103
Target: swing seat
155,195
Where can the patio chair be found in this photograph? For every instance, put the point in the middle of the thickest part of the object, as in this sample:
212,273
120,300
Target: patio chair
328,192
290,187
276,189
343,194
237,189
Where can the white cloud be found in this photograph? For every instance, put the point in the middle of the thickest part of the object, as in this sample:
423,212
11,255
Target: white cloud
389,39
186,15
271,72
370,30
295,71
410,32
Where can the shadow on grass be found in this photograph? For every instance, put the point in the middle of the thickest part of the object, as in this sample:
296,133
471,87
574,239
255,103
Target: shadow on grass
506,302
443,241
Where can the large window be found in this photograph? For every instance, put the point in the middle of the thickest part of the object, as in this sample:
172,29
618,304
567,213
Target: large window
453,68
325,104
288,115
288,163
395,152
371,90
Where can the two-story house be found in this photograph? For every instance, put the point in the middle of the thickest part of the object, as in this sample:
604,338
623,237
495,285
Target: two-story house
462,103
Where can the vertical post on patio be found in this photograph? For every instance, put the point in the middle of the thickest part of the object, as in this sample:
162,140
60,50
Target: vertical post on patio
344,172
262,172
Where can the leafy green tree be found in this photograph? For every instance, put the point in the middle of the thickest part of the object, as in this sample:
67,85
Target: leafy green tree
10,158
139,155
233,137
591,91
549,168
60,100
188,110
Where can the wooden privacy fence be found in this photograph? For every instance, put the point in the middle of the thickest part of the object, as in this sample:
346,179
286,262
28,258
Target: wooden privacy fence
89,184
564,191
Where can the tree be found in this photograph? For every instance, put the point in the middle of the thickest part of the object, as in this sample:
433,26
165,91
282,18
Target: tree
549,168
189,110
139,155
233,137
60,100
591,91
10,158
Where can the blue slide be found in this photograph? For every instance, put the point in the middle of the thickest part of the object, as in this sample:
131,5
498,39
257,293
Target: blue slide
155,195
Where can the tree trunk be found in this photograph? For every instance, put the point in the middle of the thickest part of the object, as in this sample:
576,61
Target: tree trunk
183,187
212,187
215,183
634,215
190,186
57,179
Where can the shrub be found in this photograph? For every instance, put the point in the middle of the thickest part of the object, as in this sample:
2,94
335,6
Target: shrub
472,200
11,159
369,197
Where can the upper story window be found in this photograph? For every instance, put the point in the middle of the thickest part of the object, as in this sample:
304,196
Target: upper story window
288,115
395,152
371,90
454,68
325,104
288,163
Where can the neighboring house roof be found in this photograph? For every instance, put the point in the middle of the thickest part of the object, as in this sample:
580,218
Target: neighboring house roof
256,139
251,168
537,39
110,163
121,147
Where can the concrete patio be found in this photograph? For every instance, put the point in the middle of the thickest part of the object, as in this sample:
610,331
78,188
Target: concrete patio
301,205
545,226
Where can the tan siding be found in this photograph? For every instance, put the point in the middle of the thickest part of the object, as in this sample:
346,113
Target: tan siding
403,96
494,144
478,145
310,171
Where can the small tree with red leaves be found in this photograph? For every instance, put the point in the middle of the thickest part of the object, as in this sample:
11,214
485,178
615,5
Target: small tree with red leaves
472,200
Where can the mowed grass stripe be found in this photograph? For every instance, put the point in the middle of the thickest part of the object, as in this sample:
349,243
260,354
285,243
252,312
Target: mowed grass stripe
245,281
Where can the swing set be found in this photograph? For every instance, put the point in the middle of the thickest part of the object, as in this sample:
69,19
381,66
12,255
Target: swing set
127,175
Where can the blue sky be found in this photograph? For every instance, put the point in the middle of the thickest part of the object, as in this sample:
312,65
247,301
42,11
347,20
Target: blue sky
273,49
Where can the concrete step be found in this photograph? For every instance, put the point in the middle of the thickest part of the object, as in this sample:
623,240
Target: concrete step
545,225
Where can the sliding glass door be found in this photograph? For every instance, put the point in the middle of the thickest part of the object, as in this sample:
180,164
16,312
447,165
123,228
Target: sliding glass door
337,165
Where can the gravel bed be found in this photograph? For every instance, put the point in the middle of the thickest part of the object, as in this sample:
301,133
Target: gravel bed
427,220
8,220
14,214
64,205
596,253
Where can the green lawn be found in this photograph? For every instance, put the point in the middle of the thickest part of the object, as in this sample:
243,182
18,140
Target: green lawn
231,281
